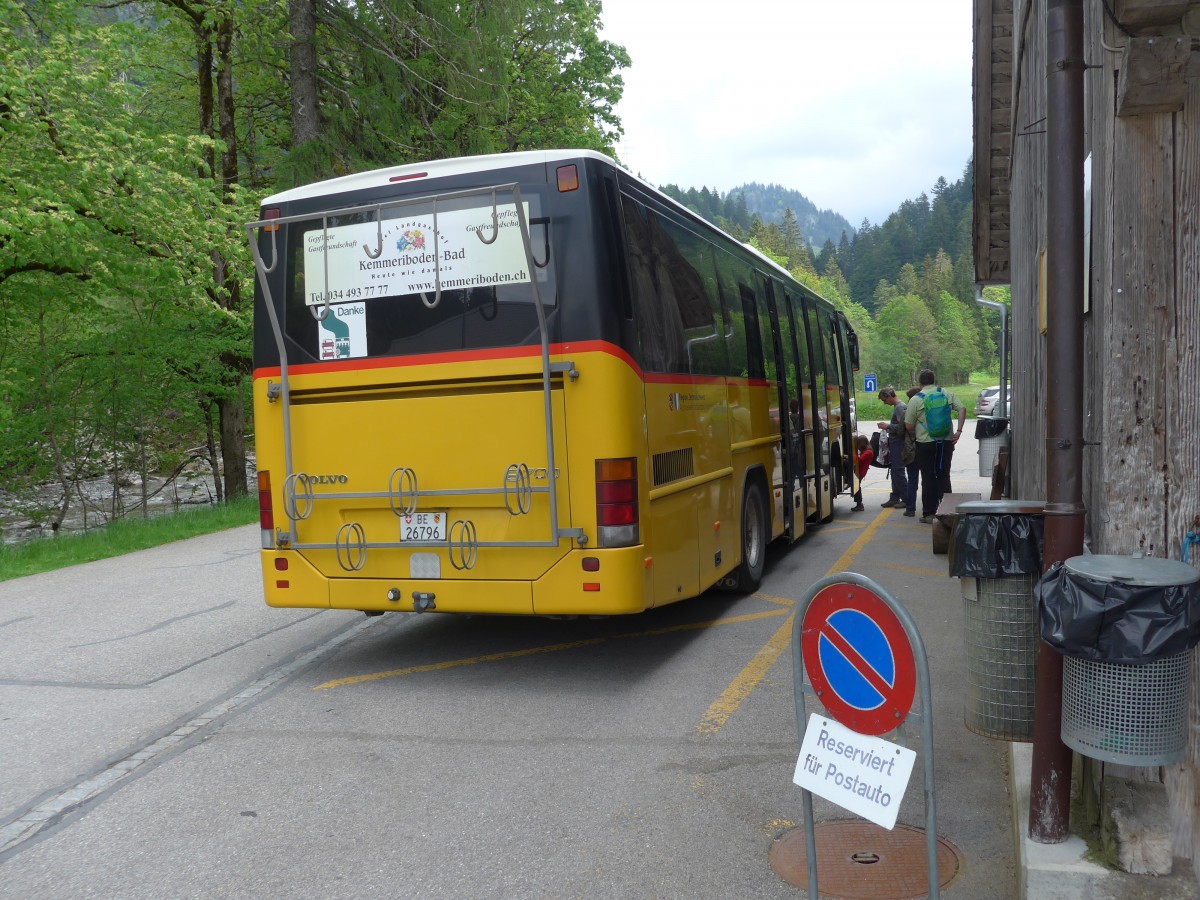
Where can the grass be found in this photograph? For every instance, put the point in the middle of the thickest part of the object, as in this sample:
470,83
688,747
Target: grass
120,537
870,409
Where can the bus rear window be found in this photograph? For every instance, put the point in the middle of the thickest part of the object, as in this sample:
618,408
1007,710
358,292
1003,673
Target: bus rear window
363,286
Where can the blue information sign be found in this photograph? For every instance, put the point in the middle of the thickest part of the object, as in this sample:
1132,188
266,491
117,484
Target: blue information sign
871,383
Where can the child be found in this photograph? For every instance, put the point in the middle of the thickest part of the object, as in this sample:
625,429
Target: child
865,455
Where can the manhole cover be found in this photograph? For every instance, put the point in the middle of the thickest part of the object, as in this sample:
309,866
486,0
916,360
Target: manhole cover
858,860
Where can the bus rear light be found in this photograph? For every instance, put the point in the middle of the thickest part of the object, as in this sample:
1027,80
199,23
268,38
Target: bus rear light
283,584
617,502
272,213
591,587
568,179
281,563
266,517
591,564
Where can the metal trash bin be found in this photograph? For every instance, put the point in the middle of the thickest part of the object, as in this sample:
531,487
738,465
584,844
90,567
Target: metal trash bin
992,434
997,552
1125,626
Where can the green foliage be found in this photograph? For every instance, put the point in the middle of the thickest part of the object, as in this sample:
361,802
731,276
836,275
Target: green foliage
118,538
137,139
407,80
906,333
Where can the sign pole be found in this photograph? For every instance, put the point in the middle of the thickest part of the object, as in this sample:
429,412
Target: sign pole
846,632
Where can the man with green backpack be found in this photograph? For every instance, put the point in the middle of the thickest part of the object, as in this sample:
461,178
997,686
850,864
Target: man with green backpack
930,416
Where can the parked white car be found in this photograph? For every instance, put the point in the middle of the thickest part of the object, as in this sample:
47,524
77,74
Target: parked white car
988,400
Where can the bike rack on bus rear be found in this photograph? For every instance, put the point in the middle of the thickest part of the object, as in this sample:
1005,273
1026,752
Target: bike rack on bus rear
404,492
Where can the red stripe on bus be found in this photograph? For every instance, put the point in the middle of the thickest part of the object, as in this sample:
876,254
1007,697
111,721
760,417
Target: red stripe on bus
458,356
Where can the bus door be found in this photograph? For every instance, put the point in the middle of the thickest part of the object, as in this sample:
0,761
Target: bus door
837,402
819,421
785,372
841,346
798,385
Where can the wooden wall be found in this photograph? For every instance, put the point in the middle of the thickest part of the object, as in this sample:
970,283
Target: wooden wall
1141,377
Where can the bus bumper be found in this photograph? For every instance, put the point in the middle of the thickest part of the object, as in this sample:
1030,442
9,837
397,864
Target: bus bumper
615,582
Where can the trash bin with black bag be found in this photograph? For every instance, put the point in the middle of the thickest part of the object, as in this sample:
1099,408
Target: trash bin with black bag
996,551
992,434
1125,626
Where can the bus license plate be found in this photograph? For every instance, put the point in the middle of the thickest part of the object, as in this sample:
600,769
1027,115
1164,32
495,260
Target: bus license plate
423,526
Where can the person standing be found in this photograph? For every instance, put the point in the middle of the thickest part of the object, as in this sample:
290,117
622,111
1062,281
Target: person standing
895,438
912,468
930,418
865,456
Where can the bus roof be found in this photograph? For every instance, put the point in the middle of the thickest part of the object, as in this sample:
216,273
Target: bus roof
435,169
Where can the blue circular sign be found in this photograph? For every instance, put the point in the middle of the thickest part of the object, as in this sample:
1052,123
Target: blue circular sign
858,658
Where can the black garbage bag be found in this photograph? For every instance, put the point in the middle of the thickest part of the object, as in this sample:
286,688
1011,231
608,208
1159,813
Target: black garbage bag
1108,621
997,546
989,427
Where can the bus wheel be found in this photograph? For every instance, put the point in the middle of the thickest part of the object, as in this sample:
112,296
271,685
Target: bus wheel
754,538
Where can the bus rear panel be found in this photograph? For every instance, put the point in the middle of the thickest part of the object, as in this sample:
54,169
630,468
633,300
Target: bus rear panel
461,404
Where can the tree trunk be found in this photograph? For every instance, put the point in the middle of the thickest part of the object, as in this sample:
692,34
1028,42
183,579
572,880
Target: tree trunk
232,422
302,23
233,446
211,447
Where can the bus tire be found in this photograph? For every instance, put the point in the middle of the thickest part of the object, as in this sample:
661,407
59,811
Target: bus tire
755,536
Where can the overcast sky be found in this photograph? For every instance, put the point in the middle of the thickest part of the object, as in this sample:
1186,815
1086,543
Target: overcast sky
857,104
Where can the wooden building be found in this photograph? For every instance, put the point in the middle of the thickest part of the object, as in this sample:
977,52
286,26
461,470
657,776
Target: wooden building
1141,306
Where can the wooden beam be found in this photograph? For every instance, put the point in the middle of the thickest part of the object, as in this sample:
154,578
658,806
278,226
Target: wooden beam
1153,75
1141,16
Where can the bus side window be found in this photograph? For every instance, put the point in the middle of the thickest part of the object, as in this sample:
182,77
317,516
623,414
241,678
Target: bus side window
689,260
804,375
737,281
659,330
764,320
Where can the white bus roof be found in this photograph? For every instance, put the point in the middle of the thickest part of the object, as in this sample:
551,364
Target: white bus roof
436,169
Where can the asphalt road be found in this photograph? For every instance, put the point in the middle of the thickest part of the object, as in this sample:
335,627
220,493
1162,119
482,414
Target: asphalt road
165,734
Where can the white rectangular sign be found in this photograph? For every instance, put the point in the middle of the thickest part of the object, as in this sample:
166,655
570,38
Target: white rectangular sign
343,333
866,775
411,258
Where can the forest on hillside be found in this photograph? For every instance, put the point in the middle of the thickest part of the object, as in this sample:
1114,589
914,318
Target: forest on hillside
770,202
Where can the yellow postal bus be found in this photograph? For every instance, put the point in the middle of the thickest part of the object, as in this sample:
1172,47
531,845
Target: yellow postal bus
531,383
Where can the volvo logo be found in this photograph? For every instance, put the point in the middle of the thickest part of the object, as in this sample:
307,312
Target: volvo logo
327,479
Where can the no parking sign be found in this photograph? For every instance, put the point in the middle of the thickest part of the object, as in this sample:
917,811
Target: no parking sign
858,651
858,658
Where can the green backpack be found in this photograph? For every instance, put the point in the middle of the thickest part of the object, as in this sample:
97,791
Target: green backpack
937,414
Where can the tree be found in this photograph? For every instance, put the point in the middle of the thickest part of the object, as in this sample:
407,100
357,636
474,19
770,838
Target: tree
906,335
957,350
793,239
123,219
564,81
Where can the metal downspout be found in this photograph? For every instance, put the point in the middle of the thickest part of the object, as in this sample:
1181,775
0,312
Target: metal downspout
1050,783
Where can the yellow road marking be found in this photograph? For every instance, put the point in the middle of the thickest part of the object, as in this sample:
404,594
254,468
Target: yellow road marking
828,530
928,572
723,708
914,544
739,689
549,648
782,601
